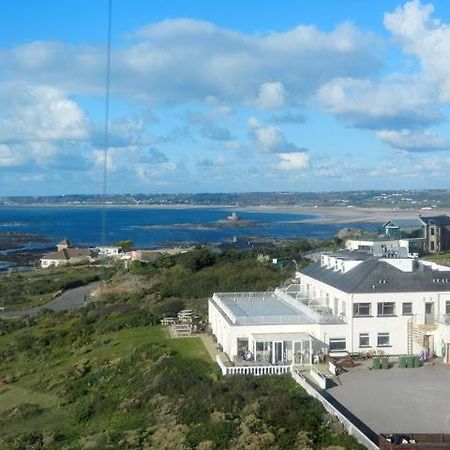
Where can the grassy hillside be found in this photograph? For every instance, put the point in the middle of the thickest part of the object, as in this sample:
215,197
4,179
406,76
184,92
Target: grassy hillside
109,377
21,290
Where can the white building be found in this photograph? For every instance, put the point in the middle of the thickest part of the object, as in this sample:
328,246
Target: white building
109,251
66,255
349,302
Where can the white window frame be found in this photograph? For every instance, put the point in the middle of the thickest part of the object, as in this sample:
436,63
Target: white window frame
403,309
339,340
364,336
356,312
383,334
383,306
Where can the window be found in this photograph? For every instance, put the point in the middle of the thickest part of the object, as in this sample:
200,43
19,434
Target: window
383,340
344,308
386,309
432,231
447,307
337,344
364,340
361,309
407,309
431,246
327,299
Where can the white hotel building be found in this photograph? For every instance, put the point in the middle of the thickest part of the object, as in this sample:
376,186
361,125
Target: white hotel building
349,302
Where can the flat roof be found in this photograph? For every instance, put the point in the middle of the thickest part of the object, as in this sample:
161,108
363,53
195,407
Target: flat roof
254,308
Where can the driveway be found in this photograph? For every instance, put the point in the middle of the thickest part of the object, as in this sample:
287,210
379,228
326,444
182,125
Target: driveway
398,400
71,299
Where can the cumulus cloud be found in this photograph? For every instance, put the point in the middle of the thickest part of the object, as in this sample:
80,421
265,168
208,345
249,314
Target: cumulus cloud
426,38
271,139
271,95
208,126
39,113
412,141
406,102
293,161
215,61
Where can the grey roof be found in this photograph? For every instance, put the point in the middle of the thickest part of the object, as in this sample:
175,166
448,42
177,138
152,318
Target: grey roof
405,223
359,255
369,273
436,220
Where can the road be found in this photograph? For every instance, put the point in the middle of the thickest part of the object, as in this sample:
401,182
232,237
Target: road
71,299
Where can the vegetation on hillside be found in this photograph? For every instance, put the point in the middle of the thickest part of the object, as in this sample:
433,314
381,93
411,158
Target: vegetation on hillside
108,377
20,290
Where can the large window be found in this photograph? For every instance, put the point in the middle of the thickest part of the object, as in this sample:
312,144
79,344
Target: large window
383,340
407,309
337,344
361,309
364,340
386,309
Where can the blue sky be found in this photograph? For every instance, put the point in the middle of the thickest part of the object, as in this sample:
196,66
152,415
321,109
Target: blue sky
225,96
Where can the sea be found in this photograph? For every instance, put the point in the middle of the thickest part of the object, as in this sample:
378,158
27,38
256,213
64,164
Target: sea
158,227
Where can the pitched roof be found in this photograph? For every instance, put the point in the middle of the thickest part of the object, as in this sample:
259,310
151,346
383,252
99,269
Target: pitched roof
368,276
436,220
405,223
67,254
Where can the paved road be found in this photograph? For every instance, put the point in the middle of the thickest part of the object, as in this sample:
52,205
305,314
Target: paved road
72,299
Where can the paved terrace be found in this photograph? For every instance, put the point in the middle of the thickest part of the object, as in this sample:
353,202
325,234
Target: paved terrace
398,400
268,308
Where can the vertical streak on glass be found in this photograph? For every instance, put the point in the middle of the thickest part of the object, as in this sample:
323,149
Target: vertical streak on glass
106,124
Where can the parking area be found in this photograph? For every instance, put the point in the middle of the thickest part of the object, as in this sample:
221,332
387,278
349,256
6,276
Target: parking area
398,400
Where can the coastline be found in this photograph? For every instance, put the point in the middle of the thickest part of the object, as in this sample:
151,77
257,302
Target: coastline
342,214
320,215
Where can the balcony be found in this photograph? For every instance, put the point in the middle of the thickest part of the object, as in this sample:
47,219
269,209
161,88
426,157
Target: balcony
315,306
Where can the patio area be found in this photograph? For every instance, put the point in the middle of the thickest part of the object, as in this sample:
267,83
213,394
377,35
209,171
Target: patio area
397,400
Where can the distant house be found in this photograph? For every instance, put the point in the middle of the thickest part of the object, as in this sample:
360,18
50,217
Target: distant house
430,233
110,251
66,255
145,256
437,233
347,232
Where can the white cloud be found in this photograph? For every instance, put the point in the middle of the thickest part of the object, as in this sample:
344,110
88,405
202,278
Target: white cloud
426,38
9,157
270,138
271,95
216,62
392,103
39,113
293,161
420,141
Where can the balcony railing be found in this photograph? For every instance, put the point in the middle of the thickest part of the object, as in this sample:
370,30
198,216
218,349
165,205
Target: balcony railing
252,370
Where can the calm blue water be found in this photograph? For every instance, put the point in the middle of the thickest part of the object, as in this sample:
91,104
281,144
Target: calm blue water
155,227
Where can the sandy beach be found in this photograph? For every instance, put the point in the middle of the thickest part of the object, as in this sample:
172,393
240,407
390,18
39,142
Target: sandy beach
334,214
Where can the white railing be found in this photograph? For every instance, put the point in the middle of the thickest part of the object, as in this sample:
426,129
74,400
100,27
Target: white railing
307,310
273,320
319,378
252,370
351,428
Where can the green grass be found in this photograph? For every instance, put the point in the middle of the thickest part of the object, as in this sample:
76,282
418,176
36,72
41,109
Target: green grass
438,257
22,290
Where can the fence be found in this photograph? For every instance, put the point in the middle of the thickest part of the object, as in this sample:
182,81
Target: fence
251,370
349,425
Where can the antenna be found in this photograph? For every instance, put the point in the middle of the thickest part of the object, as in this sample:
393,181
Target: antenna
106,124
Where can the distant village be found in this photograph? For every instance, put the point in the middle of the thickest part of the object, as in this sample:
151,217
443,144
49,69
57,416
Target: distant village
66,254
